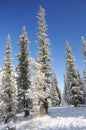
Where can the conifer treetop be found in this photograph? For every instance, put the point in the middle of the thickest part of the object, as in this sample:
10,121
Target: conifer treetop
24,37
69,55
84,47
8,42
43,41
24,31
42,22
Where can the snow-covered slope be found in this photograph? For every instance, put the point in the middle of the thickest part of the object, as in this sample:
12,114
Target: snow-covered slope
60,118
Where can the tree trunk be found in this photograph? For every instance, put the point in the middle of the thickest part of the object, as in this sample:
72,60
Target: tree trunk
26,107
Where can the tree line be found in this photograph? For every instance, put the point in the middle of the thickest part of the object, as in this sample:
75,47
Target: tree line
33,84
74,84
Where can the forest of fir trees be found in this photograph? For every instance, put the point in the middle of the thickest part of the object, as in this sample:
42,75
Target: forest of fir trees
33,85
74,83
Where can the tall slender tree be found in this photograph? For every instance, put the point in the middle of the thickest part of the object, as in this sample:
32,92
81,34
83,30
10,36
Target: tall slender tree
56,97
39,82
65,88
44,51
24,74
1,95
75,95
84,72
84,49
9,94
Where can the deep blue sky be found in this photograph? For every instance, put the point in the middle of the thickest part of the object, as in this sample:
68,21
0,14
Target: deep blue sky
66,20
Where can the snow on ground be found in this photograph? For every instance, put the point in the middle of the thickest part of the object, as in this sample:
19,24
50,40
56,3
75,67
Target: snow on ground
60,118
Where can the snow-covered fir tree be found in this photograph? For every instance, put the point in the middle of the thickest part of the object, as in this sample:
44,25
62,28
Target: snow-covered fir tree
24,73
65,88
84,72
55,92
75,95
9,94
38,93
44,51
39,83
81,82
1,91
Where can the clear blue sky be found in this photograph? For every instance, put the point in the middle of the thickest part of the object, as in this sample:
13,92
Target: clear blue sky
66,20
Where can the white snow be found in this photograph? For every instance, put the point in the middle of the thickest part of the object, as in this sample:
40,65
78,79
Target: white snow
60,118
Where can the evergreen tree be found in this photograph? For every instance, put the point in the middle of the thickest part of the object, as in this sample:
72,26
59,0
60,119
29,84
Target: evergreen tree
1,95
65,92
9,95
84,72
44,51
24,74
39,83
56,97
66,87
75,95
43,42
81,84
37,92
84,48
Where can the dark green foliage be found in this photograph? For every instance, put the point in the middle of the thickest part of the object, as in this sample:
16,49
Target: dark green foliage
74,94
24,80
9,94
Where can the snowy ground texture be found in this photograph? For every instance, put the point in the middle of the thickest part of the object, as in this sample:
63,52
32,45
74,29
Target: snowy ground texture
60,118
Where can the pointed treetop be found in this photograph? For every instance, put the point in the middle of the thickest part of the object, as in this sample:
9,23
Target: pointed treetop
24,31
82,38
24,35
8,41
8,38
41,13
42,9
67,44
84,49
69,53
83,41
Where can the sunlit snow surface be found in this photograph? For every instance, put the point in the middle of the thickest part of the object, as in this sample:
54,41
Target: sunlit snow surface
60,118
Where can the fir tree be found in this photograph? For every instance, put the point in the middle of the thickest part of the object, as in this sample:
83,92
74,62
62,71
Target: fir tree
38,84
75,95
84,48
56,97
44,51
9,95
43,42
1,95
84,72
65,88
84,54
24,75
